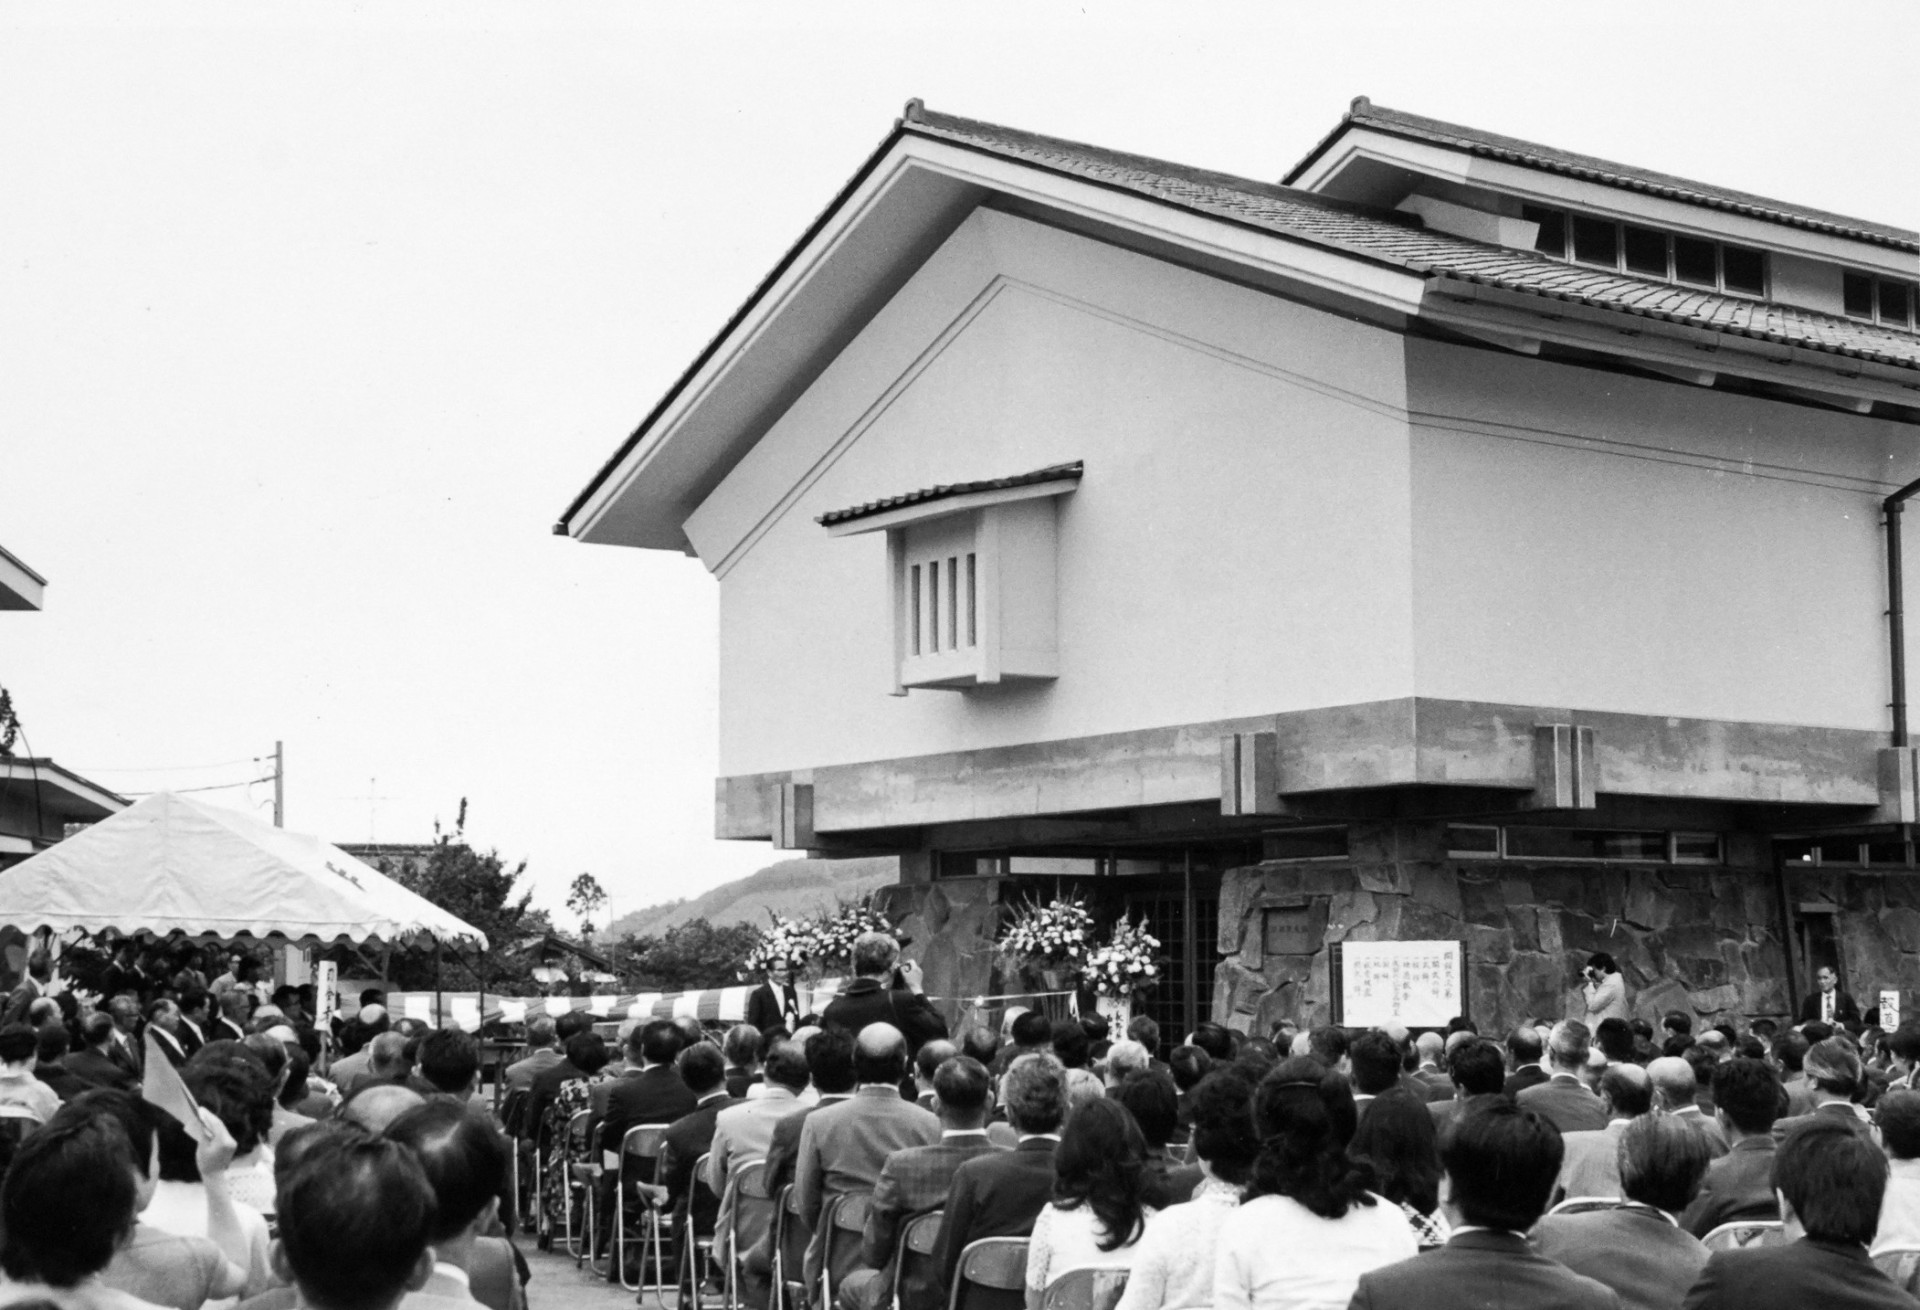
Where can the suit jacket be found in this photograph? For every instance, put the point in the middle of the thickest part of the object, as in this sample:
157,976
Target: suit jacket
1482,1270
65,1083
868,1000
653,1096
1438,1085
1739,1185
688,1138
1591,1165
1565,1103
783,1149
1845,1008
1634,1250
1801,1275
126,1053
770,1007
914,1182
844,1146
1520,1079
541,1092
20,1000
169,1045
224,1029
1832,1109
994,1195
1694,1117
97,1070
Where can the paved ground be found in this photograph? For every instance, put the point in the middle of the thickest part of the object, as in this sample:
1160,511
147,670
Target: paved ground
557,1285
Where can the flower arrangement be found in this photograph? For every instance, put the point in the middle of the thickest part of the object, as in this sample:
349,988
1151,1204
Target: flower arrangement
784,948
835,932
1049,936
1125,962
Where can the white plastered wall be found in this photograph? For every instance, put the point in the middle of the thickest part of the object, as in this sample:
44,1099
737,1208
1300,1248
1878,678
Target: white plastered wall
1240,543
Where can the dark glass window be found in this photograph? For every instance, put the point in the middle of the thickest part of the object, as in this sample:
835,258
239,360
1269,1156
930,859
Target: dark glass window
1696,848
1745,270
1887,852
1856,293
1893,303
1596,241
1646,251
1585,844
1473,841
1838,850
1305,844
1693,261
1552,237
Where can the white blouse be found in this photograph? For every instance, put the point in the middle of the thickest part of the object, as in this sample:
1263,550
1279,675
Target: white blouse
1173,1262
1070,1239
1275,1254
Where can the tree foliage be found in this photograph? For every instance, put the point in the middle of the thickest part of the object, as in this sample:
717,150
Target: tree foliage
482,889
586,898
686,957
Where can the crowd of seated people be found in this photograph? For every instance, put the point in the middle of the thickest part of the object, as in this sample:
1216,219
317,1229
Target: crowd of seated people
1625,1166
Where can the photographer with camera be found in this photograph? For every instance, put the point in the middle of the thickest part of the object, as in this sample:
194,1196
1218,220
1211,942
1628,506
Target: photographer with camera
1605,990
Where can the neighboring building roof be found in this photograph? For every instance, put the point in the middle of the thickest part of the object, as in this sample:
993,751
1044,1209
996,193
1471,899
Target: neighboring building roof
1052,473
1512,150
1397,239
20,587
60,789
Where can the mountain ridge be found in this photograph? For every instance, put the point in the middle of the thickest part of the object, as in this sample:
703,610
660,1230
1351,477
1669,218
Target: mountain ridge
790,887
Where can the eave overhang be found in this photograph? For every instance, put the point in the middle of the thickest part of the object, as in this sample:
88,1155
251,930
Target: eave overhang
20,587
60,790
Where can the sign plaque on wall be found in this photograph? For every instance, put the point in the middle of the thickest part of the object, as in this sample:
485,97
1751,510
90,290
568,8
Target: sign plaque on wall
1286,932
1418,984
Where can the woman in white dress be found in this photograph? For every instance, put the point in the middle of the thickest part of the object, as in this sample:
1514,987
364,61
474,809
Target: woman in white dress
1098,1212
1173,1268
1311,1224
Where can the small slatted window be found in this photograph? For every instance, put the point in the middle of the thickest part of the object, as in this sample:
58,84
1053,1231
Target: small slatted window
1596,241
1646,251
933,606
914,605
973,602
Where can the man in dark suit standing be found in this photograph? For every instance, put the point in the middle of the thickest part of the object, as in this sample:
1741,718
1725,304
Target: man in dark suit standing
916,1181
870,998
1500,1162
1523,1052
163,1021
1830,1181
1563,1100
774,1005
1637,1249
1001,1194
93,1063
1827,1003
35,983
1739,1185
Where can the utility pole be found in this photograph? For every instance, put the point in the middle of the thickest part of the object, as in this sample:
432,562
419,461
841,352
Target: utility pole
279,785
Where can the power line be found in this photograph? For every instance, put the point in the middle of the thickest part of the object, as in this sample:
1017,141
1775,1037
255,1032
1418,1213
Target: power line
179,768
217,786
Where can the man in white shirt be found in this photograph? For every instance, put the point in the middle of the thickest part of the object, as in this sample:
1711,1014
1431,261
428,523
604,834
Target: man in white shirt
1898,1115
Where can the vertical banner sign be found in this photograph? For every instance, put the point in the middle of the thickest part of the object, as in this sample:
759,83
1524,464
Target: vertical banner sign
326,986
1890,1009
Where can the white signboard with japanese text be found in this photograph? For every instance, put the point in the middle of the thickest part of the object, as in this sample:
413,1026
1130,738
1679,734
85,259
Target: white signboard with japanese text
1890,1009
1418,984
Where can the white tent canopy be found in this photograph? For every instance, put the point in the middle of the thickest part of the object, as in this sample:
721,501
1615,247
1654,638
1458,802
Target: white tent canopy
173,863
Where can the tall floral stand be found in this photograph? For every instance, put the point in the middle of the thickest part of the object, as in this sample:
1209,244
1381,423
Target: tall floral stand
1062,998
1117,1011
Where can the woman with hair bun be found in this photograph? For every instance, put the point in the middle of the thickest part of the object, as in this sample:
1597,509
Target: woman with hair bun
1099,1211
1311,1223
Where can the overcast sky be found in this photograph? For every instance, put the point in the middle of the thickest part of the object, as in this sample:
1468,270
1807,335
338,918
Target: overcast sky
314,317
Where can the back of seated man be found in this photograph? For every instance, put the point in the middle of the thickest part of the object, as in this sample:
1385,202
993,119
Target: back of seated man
449,1064
94,1063
1898,1115
357,1218
1638,1249
1830,1180
387,1062
50,1063
1563,1099
703,1069
916,1181
1739,1185
926,1061
66,1206
1499,1163
1001,1194
1032,1032
465,1160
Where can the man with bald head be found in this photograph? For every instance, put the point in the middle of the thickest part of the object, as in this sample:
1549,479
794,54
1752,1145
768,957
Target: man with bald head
1591,1165
387,1062
1563,1099
379,1104
1675,1085
842,1147
1431,1077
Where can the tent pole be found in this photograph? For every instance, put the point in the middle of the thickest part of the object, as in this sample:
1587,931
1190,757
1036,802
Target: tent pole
437,1002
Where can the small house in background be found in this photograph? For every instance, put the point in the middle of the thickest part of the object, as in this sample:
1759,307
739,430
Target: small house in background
1458,539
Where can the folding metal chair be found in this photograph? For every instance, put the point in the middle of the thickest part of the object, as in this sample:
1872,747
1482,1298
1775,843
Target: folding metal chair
1085,1289
750,1209
583,1171
1587,1204
917,1241
1743,1233
696,1247
1902,1265
992,1264
844,1224
790,1234
641,1150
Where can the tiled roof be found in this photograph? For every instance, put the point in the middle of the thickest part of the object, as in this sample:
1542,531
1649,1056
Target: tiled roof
1511,150
1052,473
1399,240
